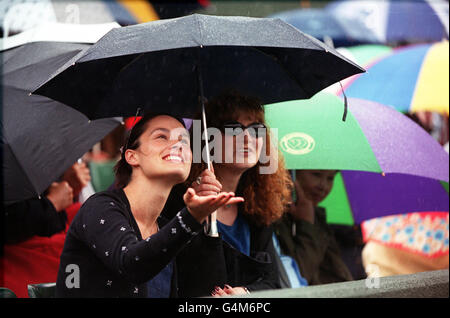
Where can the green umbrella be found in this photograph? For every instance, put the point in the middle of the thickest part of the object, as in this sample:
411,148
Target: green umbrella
310,131
377,138
388,163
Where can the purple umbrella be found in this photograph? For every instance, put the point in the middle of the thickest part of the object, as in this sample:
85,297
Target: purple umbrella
395,21
359,195
389,164
393,145
374,137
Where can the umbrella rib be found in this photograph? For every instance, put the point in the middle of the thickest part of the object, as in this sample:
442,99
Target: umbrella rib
70,63
313,39
140,55
197,20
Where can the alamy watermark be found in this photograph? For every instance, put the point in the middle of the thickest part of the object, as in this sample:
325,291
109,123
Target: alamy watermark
73,277
373,273
72,12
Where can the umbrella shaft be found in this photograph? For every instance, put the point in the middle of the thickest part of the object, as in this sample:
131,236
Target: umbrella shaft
211,224
205,134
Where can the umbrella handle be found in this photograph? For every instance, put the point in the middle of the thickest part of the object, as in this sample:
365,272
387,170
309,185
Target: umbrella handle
211,222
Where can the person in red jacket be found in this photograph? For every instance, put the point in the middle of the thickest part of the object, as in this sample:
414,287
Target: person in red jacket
35,230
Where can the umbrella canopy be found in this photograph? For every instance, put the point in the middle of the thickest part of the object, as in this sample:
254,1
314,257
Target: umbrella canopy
395,21
321,24
358,196
364,55
197,55
424,233
183,60
374,138
412,78
388,164
41,138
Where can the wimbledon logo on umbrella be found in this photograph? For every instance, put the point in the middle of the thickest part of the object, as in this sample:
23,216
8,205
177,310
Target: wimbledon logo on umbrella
297,143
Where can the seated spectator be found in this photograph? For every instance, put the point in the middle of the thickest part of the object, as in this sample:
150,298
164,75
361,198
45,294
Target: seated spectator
35,231
304,234
406,244
45,216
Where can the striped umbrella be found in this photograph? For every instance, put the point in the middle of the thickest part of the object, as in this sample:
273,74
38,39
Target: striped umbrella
131,12
410,79
388,163
395,21
322,25
373,138
364,55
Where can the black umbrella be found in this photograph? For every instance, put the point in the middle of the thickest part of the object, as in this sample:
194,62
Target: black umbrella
159,66
41,138
170,65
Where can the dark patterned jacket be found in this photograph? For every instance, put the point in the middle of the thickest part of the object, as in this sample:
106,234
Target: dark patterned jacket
104,254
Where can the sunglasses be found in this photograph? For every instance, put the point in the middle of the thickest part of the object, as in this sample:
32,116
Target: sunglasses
235,128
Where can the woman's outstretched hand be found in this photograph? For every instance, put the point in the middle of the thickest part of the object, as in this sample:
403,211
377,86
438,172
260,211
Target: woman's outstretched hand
201,206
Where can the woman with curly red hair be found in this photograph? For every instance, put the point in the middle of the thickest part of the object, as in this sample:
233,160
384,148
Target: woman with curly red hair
245,162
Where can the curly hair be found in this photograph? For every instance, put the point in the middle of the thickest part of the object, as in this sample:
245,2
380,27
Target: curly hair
266,195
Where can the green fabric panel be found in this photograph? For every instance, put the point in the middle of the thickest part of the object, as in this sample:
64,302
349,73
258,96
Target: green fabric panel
365,54
445,185
312,135
337,205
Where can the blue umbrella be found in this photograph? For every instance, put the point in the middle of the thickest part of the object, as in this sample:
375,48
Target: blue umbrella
321,24
396,21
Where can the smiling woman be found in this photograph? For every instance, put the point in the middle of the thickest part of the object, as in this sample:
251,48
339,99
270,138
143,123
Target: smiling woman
167,141
118,240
